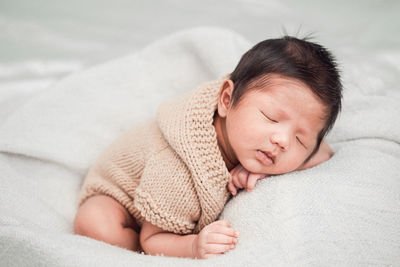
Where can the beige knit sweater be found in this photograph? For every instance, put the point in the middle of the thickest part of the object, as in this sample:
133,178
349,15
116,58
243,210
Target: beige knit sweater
167,171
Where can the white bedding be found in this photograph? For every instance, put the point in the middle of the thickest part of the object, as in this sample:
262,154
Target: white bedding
343,212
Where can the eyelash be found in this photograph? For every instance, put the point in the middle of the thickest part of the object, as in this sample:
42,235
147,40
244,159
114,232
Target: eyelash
269,117
300,142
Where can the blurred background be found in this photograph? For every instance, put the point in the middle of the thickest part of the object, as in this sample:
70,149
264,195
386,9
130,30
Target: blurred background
44,40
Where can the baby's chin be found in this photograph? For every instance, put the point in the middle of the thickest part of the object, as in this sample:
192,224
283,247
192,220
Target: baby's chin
254,166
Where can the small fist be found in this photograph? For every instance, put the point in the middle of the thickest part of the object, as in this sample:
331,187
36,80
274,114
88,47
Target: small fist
214,239
241,178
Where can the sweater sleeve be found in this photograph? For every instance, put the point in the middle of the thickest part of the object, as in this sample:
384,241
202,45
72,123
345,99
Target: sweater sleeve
166,196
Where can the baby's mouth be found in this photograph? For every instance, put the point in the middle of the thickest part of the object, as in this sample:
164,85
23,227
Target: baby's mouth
265,157
270,156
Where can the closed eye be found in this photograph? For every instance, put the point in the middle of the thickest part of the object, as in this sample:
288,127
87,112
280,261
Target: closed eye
298,139
268,117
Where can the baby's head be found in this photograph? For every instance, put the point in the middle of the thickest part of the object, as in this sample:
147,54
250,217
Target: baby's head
279,103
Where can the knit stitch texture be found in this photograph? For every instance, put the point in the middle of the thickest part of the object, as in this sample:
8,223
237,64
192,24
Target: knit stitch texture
167,171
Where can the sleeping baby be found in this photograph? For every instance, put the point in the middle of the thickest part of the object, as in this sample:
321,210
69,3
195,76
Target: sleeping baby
160,187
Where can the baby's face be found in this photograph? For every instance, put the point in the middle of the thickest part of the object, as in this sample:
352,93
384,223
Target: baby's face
274,130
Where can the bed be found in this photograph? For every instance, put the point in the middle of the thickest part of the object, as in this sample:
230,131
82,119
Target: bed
344,212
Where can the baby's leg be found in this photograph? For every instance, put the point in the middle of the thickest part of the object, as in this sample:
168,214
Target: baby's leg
103,218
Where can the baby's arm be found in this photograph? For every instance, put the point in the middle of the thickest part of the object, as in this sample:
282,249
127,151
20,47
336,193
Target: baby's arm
324,153
214,239
155,240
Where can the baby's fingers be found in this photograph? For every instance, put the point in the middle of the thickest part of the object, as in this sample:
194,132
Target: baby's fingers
222,227
243,176
232,188
235,170
217,238
253,177
239,178
218,248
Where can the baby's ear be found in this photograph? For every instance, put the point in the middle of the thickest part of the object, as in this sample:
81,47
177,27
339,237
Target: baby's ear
225,98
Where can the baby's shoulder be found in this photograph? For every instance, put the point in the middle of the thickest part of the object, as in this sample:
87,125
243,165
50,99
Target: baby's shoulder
146,135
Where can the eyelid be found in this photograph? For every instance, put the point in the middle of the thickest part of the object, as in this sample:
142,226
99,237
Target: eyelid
268,117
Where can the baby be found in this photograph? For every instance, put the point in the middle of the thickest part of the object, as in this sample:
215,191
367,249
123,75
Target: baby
160,187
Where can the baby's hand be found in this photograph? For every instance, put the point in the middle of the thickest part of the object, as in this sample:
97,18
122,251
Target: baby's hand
241,178
214,239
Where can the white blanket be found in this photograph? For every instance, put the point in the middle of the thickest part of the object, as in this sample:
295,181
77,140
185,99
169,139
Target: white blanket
344,212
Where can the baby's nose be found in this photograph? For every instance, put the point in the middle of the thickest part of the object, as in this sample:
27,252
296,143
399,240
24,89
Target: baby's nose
281,140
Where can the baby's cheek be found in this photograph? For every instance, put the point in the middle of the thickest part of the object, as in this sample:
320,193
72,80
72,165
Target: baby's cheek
289,164
252,165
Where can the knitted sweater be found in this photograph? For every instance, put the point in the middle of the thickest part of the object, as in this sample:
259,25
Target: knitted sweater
167,171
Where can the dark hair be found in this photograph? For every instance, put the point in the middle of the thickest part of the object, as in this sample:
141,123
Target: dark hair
296,58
